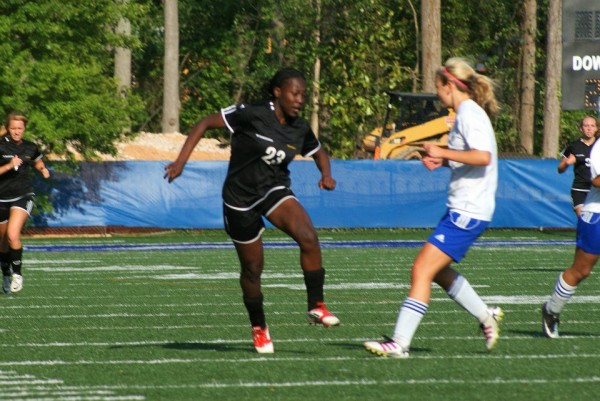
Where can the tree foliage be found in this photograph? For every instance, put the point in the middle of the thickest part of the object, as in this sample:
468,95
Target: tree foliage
58,62
57,69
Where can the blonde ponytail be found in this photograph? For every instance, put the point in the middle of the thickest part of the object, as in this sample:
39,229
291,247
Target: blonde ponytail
479,87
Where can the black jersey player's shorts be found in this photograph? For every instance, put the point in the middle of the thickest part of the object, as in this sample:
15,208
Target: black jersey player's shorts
24,202
578,197
246,225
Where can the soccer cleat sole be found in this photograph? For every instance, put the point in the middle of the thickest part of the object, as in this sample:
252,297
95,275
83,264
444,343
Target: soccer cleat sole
373,347
314,321
497,315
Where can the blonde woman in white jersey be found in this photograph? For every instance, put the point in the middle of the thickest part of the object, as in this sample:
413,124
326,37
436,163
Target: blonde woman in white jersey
472,159
587,251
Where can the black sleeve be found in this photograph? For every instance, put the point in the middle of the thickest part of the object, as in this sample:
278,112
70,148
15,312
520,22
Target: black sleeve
311,143
235,117
568,150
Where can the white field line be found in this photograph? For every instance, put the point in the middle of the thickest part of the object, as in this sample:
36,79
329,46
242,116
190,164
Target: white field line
385,268
288,384
390,323
391,274
182,315
148,315
409,382
125,268
281,324
27,387
34,261
297,340
489,299
273,358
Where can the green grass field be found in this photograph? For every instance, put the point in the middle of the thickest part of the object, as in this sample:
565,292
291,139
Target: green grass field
154,323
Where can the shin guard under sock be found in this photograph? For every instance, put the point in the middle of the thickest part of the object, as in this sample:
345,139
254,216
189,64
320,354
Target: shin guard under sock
15,256
314,281
256,311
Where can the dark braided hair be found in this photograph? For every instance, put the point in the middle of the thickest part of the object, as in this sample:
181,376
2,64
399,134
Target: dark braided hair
283,75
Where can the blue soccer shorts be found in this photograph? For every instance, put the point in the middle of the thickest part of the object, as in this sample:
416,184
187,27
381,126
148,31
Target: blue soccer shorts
455,234
588,232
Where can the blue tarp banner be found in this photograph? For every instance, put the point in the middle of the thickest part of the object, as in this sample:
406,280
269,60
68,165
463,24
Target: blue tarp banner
369,194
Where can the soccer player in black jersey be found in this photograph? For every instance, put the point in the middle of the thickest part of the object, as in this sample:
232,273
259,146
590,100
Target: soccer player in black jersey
265,138
577,154
17,157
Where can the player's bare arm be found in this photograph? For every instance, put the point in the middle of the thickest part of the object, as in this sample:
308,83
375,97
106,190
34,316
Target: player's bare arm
212,121
14,163
565,162
472,157
322,160
41,167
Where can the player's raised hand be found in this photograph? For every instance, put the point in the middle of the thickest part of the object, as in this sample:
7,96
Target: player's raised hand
16,162
432,150
172,171
327,183
431,163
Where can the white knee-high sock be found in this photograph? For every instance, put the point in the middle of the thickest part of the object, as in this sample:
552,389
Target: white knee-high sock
464,295
409,318
561,294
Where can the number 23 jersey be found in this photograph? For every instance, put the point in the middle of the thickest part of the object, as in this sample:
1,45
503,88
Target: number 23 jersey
261,150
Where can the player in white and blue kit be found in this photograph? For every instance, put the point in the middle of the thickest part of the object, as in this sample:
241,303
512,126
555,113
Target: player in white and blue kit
587,252
473,161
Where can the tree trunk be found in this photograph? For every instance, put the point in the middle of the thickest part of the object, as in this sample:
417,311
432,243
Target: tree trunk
431,42
123,58
415,72
526,115
314,115
553,80
170,120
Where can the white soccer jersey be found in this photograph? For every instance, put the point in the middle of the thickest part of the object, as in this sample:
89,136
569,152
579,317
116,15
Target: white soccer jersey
472,190
592,200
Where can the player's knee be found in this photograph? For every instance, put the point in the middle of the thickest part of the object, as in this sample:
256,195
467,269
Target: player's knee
308,241
14,241
581,272
251,272
585,273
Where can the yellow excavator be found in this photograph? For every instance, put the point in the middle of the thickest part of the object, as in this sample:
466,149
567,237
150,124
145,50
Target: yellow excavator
411,119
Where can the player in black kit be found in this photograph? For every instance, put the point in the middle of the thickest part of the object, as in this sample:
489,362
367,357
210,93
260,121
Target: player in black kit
577,154
265,138
17,157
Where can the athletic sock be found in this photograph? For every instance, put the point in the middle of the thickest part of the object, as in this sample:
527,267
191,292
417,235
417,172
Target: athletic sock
314,281
5,263
560,296
409,318
464,295
15,257
256,311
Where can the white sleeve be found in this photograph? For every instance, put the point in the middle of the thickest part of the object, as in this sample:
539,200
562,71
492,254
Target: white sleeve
595,161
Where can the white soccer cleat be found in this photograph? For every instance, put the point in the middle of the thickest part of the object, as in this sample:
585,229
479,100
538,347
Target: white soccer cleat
491,327
387,348
16,284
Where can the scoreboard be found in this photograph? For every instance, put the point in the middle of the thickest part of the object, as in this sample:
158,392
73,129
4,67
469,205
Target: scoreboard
581,55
